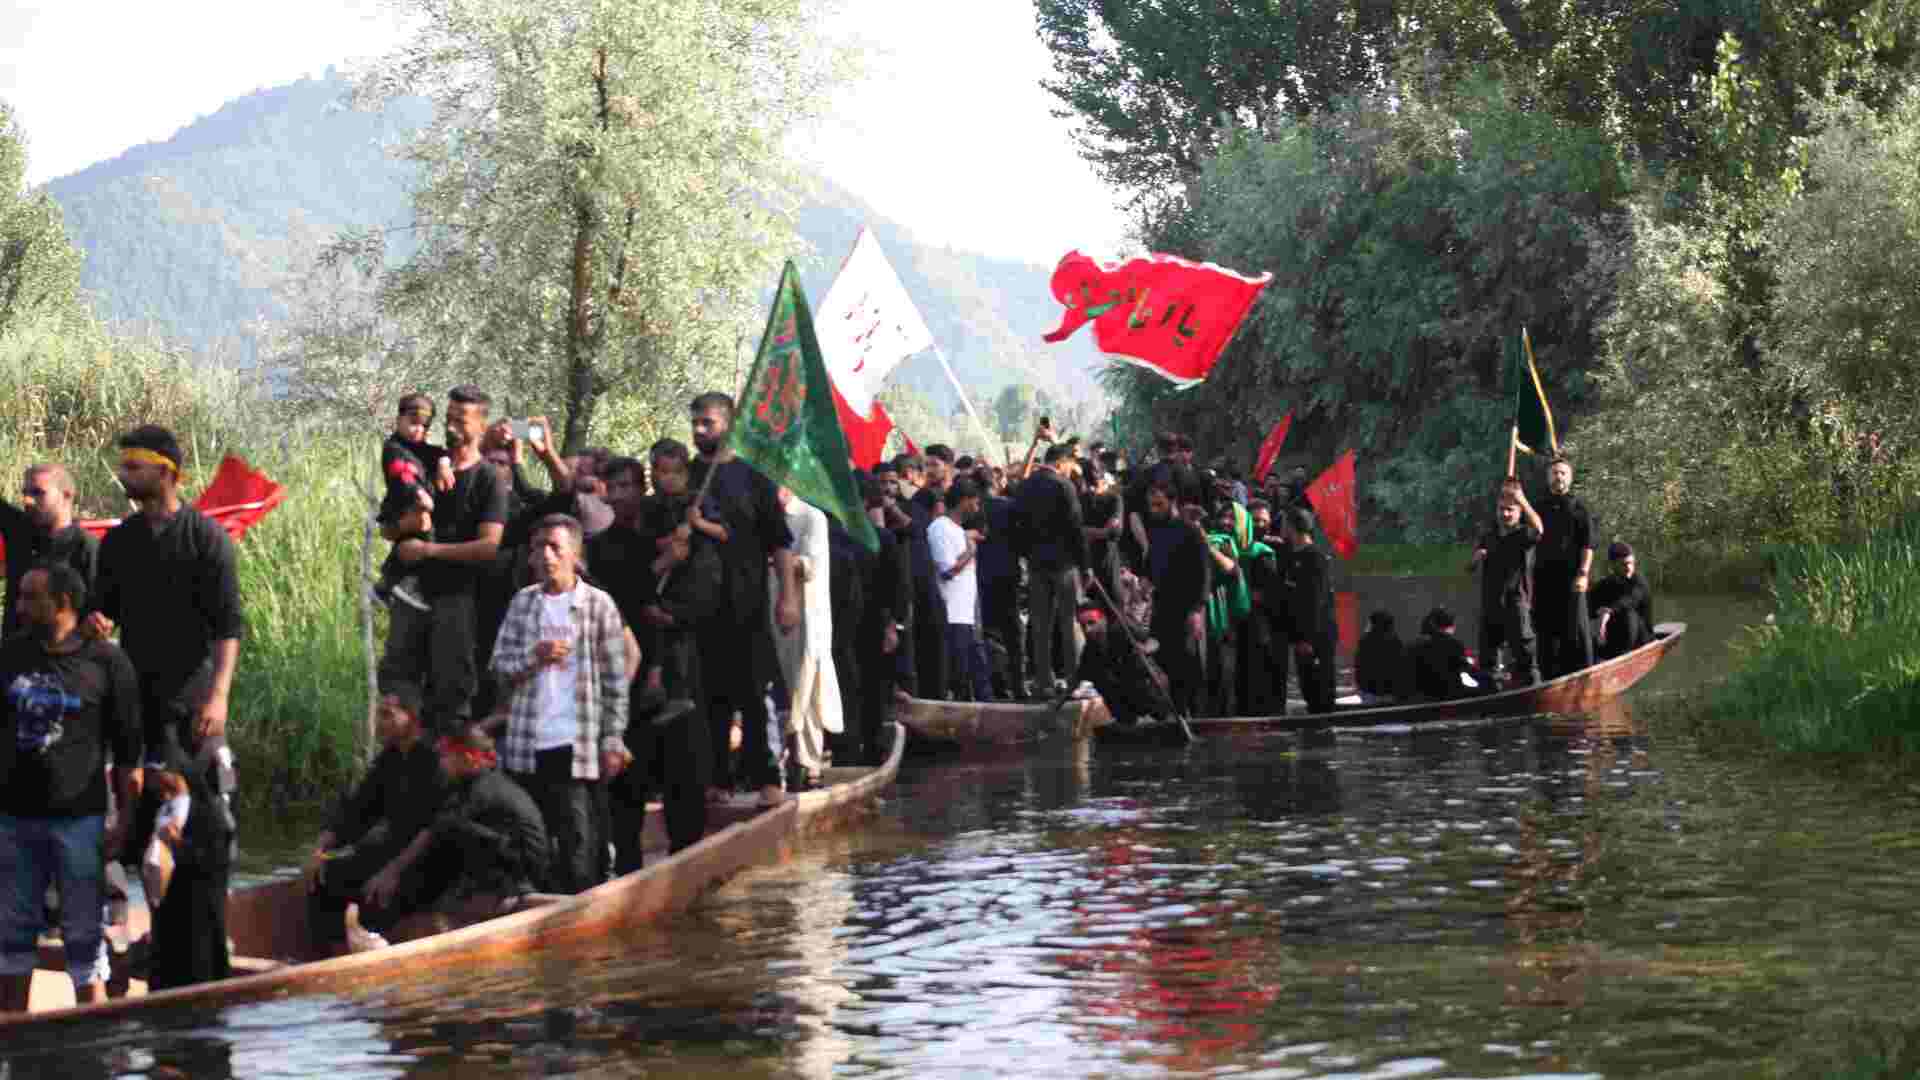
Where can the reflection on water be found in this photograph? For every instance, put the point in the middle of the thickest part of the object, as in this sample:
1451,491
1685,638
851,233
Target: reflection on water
1554,898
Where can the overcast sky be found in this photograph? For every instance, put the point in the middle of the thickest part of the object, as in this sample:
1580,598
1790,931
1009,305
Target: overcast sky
948,133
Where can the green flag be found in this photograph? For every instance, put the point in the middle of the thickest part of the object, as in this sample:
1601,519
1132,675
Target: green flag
787,427
1531,414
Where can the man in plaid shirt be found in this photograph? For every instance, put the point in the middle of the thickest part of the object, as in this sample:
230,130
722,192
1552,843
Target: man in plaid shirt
562,658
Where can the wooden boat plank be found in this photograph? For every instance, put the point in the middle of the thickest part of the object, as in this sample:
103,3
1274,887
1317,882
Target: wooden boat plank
1582,691
268,910
1002,723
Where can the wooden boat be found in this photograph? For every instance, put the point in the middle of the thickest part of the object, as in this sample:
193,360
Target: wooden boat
268,922
1582,691
1001,723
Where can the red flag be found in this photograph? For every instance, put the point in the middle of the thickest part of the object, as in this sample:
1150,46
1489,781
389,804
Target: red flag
1332,499
908,439
1270,448
1163,312
866,437
239,496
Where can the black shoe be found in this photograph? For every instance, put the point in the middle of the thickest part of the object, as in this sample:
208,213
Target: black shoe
407,592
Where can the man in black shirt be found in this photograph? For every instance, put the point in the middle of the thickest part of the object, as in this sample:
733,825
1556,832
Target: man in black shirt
1180,566
885,621
1504,558
1050,531
41,530
926,645
1561,566
69,705
1439,660
1306,590
167,577
393,802
1622,605
752,535
439,651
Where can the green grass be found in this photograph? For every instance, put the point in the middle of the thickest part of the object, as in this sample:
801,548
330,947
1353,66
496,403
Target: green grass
1839,669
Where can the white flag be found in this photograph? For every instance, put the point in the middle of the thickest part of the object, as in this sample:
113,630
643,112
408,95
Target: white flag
867,324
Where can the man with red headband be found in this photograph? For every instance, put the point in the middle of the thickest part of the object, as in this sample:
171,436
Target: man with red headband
167,578
486,841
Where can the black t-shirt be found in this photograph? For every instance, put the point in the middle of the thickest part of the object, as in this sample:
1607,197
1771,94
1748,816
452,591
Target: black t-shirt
756,528
65,715
1506,576
1098,512
27,547
1566,528
174,592
479,497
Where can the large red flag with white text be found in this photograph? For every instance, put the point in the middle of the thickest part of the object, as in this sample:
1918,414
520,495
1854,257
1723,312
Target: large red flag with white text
1332,499
1163,312
1270,449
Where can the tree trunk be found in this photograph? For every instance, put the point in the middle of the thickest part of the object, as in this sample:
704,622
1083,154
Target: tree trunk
583,338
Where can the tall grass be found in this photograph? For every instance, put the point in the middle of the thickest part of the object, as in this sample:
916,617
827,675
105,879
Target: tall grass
299,702
1839,668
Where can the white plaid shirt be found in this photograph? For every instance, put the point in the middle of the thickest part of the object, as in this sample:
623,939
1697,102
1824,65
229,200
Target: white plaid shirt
599,690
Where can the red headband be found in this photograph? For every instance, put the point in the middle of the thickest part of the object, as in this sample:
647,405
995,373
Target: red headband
485,759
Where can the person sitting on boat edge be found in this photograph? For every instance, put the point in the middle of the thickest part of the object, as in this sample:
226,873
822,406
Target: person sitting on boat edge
1504,557
1116,663
1441,667
69,706
1622,605
487,842
1380,664
393,803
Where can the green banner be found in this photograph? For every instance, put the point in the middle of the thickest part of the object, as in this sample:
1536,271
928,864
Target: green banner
787,427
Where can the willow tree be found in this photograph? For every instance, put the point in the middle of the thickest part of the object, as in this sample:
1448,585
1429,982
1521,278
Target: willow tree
39,268
602,193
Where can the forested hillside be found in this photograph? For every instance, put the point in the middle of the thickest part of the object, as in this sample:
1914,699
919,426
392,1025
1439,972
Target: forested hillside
204,235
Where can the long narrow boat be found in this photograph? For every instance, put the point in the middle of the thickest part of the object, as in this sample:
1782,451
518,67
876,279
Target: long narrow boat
1582,691
268,922
998,724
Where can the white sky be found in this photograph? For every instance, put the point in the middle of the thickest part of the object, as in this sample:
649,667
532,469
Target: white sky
947,133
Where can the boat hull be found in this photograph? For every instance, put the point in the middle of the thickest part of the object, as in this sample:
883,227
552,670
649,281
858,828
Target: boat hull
1001,724
268,922
1583,691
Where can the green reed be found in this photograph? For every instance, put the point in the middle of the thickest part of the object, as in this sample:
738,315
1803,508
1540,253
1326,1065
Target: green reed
1839,668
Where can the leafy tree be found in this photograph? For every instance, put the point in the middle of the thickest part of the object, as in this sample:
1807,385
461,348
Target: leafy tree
1014,410
39,269
602,194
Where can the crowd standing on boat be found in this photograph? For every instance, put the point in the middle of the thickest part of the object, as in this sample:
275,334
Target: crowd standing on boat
672,626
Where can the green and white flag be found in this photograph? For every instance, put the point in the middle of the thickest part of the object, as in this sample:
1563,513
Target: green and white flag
787,427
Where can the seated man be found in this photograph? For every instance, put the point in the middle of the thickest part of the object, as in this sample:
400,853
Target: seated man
1622,605
487,841
1441,667
1132,685
1380,662
392,804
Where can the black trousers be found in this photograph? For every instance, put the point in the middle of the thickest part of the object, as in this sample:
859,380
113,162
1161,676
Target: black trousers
1560,622
930,641
674,759
1314,672
190,929
737,664
567,807
347,876
1510,625
1000,612
1182,659
1256,661
434,651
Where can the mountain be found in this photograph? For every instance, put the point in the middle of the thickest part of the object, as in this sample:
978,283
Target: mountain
195,236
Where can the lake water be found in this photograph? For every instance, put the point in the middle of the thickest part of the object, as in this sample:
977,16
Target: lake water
1596,897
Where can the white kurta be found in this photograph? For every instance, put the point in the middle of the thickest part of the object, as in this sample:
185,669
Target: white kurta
806,655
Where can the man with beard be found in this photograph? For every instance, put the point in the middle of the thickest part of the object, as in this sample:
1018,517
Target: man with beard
926,647
1180,566
67,707
1050,532
167,578
41,530
751,533
1561,565
440,651
885,618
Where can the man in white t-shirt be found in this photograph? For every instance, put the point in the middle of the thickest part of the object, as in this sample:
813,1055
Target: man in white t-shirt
562,655
954,552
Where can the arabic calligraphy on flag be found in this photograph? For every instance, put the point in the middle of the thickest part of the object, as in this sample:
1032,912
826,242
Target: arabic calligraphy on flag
1163,312
867,324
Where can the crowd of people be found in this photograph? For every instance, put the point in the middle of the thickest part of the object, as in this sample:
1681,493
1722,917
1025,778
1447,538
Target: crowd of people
672,626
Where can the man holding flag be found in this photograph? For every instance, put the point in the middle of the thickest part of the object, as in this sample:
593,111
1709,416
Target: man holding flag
1563,562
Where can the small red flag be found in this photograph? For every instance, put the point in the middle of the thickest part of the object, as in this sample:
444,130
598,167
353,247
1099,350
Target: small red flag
1160,311
1270,448
1332,499
866,436
908,439
239,496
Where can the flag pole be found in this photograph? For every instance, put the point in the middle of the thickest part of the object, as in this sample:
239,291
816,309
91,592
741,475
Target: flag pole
964,400
1513,450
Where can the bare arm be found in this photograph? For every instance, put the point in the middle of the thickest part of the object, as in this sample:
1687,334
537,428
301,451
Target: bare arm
481,549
